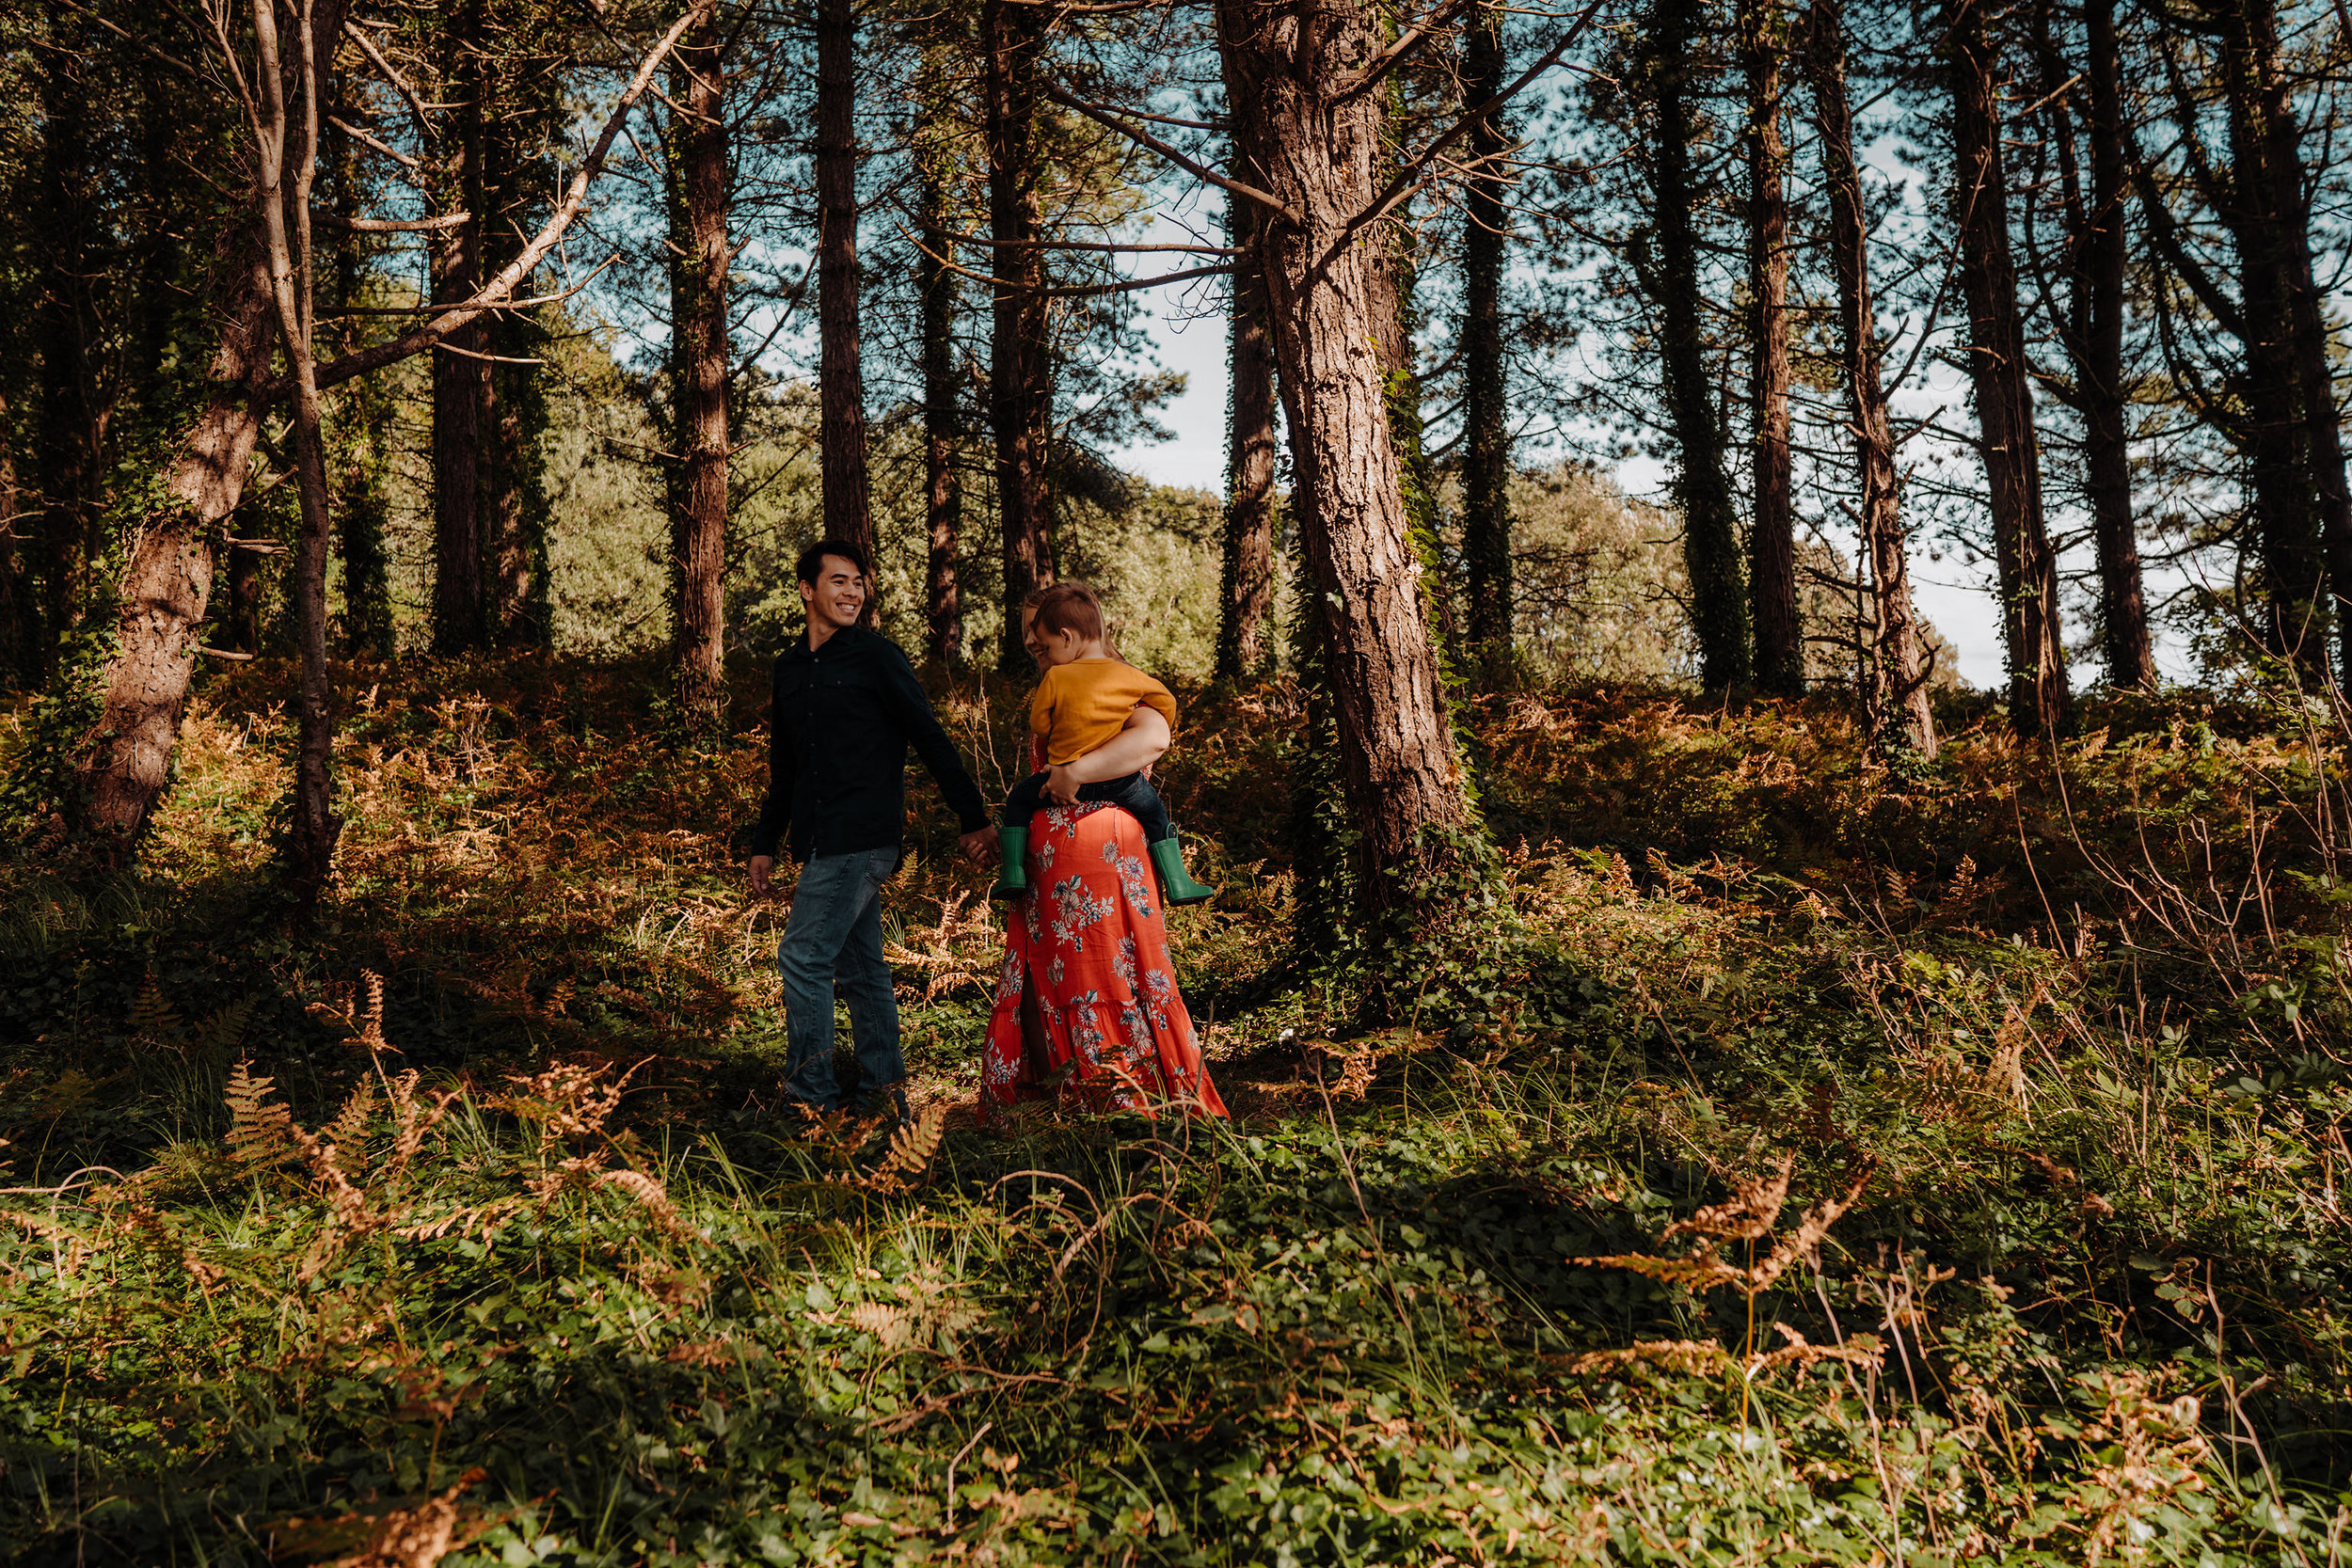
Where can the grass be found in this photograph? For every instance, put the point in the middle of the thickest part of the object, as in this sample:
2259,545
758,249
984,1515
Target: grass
1848,1168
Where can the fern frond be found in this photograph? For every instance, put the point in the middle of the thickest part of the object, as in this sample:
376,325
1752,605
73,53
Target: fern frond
348,1132
1678,1355
1701,1270
261,1134
892,1325
153,1017
1753,1206
910,1152
222,1028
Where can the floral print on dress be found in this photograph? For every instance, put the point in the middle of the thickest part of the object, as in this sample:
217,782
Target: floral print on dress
1090,943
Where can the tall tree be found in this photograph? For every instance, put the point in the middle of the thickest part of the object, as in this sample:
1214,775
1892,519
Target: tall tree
937,303
1711,527
20,652
1486,421
1020,383
121,765
697,165
1771,520
1902,720
289,75
363,417
2039,703
461,365
840,380
2091,323
63,327
1308,151
1245,639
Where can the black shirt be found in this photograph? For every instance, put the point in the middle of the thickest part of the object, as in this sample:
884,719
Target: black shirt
838,738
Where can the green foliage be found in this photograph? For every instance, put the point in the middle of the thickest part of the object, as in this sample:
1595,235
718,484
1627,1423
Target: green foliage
514,1215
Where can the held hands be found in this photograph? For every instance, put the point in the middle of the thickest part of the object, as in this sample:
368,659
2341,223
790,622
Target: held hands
977,845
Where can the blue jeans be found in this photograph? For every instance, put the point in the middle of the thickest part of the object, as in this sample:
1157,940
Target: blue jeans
835,937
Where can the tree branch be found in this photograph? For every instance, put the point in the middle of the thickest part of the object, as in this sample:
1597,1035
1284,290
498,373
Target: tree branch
501,287
1151,143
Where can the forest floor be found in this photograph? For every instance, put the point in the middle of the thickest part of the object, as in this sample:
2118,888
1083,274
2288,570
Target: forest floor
1844,1166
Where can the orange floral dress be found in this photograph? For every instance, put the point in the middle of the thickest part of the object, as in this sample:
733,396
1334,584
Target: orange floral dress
1089,944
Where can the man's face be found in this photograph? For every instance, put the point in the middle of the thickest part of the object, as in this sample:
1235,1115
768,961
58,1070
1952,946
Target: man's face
835,600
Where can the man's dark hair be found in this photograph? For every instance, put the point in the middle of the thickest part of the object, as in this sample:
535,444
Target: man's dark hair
812,558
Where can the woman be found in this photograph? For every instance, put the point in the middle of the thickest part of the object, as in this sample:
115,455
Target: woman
1088,1010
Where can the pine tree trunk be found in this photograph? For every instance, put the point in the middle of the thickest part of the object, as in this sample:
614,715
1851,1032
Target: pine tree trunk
2312,345
1245,643
66,447
1485,421
1773,522
1901,720
2294,624
363,428
2101,249
20,649
287,166
1317,148
840,379
2040,704
699,359
1020,387
125,760
461,375
515,499
943,486
1711,527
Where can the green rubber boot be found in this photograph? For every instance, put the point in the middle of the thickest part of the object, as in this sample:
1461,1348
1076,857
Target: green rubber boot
1176,883
1014,881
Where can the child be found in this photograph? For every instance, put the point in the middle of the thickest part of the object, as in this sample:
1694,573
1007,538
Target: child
1083,701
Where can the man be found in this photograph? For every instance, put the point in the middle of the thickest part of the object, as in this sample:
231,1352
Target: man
847,707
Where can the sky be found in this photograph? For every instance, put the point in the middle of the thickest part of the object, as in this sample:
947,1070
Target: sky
1187,330
1962,609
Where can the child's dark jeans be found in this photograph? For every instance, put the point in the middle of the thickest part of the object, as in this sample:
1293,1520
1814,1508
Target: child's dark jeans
1132,794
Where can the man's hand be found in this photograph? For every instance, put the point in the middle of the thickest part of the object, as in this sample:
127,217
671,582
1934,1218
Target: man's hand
762,866
977,844
1061,786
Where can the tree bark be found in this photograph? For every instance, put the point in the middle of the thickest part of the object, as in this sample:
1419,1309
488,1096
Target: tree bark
1245,643
461,377
20,650
2101,257
1317,149
1020,389
1773,520
840,378
699,358
286,157
2040,704
363,426
68,457
1710,528
1486,421
1897,692
942,486
125,760
2312,348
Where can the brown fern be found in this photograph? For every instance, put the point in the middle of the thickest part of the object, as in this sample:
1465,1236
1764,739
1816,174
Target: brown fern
260,1131
912,1148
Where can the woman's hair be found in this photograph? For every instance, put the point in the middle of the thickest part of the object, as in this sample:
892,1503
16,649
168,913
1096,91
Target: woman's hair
1071,607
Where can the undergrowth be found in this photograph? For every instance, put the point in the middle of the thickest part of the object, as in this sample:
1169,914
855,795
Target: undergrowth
1840,1168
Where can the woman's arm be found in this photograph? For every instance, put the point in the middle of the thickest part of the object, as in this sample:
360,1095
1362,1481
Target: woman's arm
1136,747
